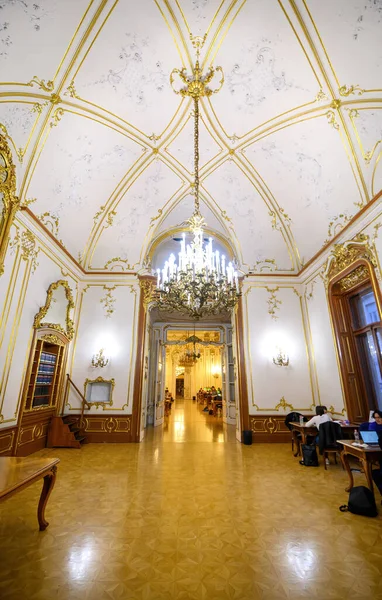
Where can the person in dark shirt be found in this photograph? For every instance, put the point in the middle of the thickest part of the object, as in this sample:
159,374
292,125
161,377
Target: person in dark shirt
376,425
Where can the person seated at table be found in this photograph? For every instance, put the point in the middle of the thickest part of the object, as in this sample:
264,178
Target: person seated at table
322,416
376,425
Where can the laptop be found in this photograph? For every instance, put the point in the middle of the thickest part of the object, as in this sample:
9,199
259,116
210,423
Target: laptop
369,437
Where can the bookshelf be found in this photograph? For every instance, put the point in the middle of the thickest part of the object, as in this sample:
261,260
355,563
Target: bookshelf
45,377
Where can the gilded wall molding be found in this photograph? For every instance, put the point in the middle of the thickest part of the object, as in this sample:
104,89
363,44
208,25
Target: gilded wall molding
9,202
104,404
38,320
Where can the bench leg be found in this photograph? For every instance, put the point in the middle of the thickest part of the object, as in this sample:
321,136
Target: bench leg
49,481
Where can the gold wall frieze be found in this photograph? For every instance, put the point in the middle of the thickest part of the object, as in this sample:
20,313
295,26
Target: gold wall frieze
108,301
354,278
354,113
50,338
336,224
147,289
347,90
51,222
28,249
284,405
119,262
56,117
273,302
46,86
331,117
38,320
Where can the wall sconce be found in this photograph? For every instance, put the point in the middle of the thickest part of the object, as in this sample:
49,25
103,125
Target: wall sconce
281,359
99,360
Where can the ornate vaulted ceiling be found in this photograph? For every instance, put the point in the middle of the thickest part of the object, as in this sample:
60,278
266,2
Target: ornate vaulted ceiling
290,147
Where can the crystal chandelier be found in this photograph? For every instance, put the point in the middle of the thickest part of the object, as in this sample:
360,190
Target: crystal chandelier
201,282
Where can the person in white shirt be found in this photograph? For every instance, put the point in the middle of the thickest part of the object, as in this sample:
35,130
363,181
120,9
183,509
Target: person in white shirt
322,416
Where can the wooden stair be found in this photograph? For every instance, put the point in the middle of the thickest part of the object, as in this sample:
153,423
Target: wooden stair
64,432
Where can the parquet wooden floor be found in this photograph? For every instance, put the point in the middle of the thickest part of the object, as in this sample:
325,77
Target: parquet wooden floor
189,514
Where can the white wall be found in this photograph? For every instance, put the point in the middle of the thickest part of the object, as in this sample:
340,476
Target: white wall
324,348
273,318
115,332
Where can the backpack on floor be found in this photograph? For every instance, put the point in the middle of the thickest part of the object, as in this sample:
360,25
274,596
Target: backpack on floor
361,502
309,455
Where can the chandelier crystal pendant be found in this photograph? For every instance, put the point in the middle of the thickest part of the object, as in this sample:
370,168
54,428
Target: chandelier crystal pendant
200,282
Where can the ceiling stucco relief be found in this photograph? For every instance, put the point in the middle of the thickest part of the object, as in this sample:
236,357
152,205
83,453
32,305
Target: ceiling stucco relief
351,34
266,73
18,120
133,220
34,35
306,168
84,174
198,14
250,217
295,184
127,69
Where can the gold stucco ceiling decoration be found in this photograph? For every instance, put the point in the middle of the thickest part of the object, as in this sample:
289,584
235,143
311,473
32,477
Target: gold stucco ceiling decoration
292,141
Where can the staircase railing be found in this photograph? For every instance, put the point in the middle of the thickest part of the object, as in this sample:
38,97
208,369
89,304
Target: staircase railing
69,382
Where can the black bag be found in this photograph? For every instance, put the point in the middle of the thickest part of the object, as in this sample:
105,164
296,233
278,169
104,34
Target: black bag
361,502
309,455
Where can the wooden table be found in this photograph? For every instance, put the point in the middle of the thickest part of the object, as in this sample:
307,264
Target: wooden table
18,473
366,456
312,431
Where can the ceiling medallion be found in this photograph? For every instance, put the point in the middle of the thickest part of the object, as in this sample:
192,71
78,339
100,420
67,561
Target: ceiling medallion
201,283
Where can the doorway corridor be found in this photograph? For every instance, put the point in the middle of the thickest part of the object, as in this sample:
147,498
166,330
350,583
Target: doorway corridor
188,422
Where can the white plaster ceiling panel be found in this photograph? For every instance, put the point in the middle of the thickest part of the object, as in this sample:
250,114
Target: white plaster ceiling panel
182,148
199,14
127,69
251,222
183,211
307,170
18,119
81,164
266,72
141,203
34,35
351,31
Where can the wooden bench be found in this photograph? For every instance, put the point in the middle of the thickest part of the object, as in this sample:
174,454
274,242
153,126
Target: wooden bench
18,473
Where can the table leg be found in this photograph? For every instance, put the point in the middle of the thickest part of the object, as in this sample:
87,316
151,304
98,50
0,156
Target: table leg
345,462
296,441
367,468
49,481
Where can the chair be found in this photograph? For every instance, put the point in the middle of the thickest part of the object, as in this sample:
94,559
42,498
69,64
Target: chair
293,417
328,434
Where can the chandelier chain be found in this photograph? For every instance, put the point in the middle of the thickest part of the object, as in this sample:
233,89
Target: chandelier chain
196,153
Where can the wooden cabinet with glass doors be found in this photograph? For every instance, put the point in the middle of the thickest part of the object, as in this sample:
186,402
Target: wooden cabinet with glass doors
45,375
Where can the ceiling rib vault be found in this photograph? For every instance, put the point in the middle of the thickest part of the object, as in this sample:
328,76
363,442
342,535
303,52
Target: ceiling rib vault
290,148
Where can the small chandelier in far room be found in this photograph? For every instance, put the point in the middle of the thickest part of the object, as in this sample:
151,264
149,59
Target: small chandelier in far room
201,282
